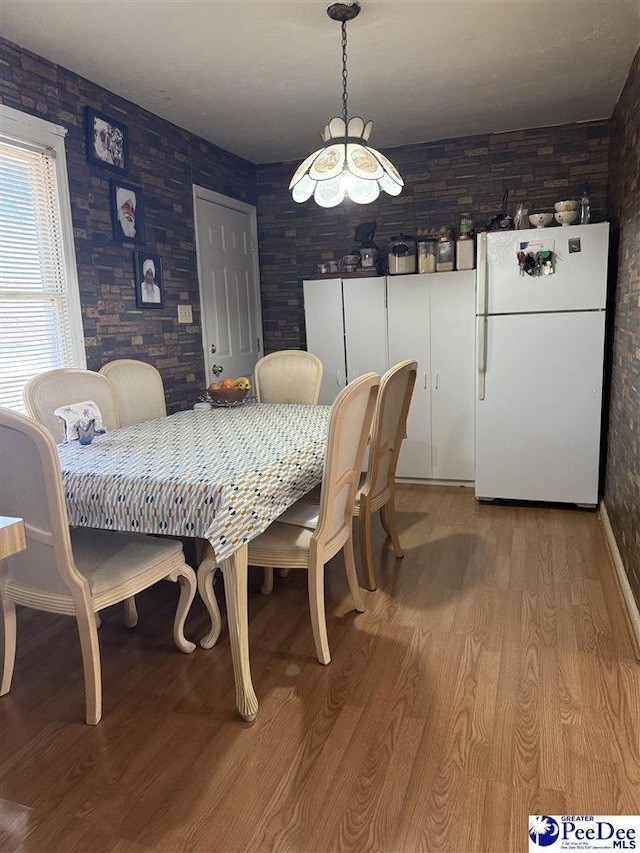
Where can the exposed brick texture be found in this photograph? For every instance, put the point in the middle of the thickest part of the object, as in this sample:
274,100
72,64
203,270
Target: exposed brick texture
622,489
442,179
165,161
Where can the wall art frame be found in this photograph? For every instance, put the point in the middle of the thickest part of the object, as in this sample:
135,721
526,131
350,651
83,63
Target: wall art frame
127,212
107,141
149,285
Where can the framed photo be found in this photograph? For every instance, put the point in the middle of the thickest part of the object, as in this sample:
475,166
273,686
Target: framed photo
148,280
107,142
127,212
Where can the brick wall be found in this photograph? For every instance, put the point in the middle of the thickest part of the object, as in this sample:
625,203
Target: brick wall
622,488
442,179
164,161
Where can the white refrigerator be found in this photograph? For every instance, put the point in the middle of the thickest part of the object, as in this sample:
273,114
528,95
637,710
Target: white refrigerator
540,350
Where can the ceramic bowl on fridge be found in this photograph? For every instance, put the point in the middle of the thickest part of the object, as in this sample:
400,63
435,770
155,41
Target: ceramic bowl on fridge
540,220
566,217
562,206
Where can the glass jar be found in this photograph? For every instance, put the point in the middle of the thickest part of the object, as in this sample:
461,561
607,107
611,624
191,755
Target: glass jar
368,258
402,255
445,255
466,225
427,255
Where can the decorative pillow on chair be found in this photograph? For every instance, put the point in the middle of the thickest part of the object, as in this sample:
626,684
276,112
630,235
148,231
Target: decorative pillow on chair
81,421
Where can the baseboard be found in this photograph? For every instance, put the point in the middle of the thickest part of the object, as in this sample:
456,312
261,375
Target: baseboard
625,587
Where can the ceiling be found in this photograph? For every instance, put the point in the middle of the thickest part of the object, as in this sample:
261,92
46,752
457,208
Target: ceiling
260,78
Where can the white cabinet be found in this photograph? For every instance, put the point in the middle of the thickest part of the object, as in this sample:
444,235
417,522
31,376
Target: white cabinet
346,328
432,318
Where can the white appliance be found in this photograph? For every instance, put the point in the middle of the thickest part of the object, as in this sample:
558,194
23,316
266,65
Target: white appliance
540,349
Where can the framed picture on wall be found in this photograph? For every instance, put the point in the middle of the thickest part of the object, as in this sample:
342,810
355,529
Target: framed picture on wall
148,280
107,142
127,212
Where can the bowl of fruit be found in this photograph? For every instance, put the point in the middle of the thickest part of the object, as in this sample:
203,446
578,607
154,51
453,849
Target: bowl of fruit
229,391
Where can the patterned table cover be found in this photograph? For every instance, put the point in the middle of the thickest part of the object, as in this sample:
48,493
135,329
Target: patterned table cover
223,474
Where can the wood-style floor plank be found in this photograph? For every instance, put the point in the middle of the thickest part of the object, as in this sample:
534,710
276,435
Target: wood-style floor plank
492,676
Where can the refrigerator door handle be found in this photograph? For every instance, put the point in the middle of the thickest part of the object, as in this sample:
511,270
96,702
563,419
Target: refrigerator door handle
481,357
481,279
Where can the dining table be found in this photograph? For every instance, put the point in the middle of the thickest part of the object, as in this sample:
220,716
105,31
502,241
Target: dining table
223,475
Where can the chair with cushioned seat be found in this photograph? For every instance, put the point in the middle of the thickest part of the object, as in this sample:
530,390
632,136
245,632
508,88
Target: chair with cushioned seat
300,539
288,376
73,572
376,492
139,390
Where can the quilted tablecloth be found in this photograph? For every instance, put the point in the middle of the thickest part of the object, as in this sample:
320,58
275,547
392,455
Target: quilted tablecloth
223,474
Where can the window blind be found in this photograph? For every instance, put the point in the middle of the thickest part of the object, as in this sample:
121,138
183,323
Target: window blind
36,331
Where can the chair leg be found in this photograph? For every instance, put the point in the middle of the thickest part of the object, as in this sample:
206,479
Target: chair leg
130,612
9,657
388,519
90,664
366,553
188,585
267,582
316,607
352,576
206,574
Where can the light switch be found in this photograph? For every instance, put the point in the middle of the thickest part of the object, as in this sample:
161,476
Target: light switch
185,314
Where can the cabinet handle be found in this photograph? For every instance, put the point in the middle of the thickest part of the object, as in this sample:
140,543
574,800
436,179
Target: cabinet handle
437,379
338,378
426,380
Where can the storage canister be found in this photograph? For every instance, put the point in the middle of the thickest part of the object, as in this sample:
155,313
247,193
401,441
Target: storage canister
445,255
402,255
465,252
427,255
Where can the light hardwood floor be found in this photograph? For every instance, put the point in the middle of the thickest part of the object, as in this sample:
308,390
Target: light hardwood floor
491,677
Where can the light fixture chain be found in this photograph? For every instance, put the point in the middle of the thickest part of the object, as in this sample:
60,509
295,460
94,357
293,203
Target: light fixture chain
344,75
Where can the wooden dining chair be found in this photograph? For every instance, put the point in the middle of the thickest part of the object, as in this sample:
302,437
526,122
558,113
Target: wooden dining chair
73,572
288,376
139,390
307,537
377,488
52,389
63,386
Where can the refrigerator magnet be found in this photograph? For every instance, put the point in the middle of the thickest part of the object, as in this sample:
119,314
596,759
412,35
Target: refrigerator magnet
574,245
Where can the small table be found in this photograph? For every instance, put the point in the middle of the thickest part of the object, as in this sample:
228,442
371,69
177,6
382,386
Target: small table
222,475
12,536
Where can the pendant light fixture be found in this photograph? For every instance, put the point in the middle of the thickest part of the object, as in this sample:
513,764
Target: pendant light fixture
346,165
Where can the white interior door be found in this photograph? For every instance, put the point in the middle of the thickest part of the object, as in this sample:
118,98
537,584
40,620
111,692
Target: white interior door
227,250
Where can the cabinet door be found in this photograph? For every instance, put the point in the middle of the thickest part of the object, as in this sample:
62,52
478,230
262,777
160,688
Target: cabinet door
452,375
365,326
408,316
325,333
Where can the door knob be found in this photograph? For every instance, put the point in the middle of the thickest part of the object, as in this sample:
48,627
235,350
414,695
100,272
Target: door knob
217,369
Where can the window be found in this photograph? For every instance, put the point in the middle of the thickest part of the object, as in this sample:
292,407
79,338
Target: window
40,318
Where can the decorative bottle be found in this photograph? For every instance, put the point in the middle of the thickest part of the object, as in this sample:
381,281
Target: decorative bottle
585,205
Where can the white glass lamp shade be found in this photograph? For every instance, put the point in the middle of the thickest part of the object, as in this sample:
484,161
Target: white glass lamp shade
345,166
